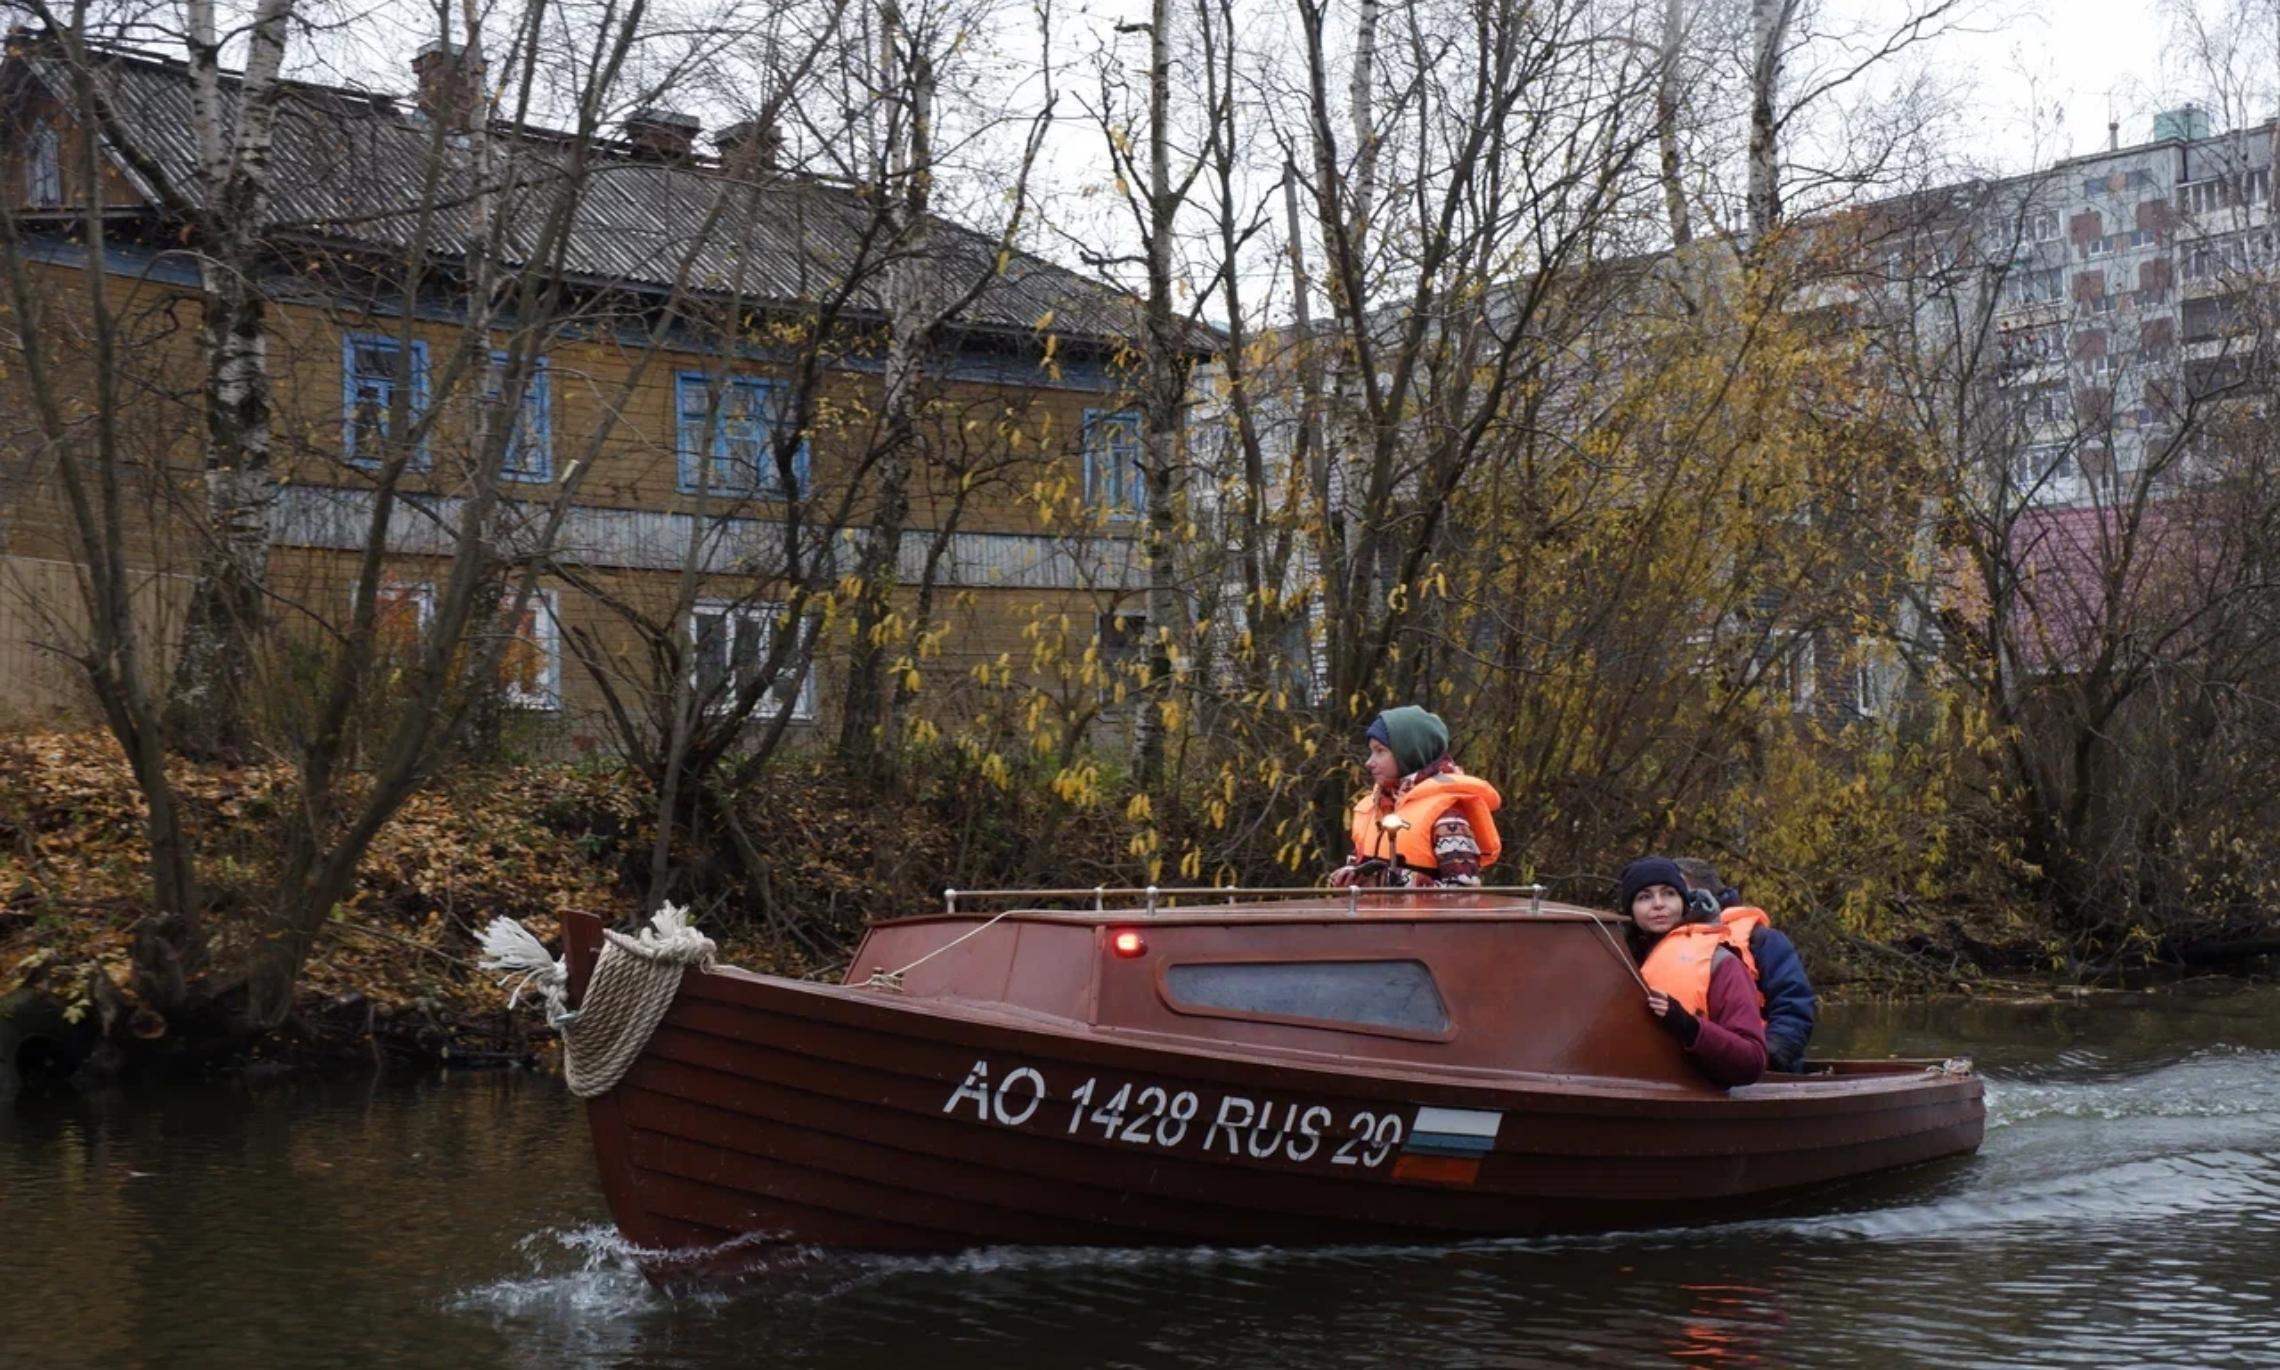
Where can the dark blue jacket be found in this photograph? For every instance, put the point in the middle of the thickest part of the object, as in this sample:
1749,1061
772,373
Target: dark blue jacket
1789,1003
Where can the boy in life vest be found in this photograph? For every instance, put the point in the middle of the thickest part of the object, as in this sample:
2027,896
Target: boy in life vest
1423,823
1697,987
1783,991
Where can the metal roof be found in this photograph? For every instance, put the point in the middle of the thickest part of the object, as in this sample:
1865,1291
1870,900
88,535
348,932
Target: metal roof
354,167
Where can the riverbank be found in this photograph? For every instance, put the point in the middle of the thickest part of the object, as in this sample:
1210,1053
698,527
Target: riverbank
393,977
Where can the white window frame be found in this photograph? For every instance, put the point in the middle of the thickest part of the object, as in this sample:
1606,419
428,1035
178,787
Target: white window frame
547,632
742,618
421,595
2043,226
2037,465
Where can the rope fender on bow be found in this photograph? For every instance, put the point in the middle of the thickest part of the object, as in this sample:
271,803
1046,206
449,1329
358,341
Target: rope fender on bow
632,986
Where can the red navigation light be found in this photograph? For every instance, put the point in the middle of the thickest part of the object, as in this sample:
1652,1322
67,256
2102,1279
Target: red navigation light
1128,944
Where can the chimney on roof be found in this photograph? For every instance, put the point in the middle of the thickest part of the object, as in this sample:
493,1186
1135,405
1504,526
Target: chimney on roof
750,147
662,133
451,87
2113,135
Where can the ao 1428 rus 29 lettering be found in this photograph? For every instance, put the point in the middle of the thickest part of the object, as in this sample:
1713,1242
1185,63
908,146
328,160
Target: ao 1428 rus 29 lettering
1134,1114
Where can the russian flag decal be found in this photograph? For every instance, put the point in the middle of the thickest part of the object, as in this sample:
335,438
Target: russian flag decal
1445,1145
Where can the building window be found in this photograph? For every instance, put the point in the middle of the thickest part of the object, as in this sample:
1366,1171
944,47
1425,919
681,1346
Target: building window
740,456
530,664
2143,237
2043,227
2029,346
372,370
2201,198
732,643
2038,464
1113,478
529,453
2035,287
43,167
1123,637
2046,404
400,614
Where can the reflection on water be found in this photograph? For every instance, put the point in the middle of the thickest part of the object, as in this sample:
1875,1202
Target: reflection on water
2120,1212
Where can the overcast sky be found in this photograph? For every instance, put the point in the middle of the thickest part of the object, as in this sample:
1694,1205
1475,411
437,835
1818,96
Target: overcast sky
2078,63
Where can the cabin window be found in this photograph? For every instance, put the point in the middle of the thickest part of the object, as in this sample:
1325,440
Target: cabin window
731,645
530,662
529,453
728,447
373,370
1399,995
1112,462
43,167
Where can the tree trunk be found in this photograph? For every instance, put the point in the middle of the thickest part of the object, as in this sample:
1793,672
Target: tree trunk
1669,105
864,710
1769,31
207,708
1163,392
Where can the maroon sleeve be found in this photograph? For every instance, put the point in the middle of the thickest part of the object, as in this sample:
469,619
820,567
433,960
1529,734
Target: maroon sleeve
1731,1046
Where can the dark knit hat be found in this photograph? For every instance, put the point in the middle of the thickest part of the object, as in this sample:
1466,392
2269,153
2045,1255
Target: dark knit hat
1649,870
1416,737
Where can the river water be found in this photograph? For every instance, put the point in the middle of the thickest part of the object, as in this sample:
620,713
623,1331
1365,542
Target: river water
2124,1211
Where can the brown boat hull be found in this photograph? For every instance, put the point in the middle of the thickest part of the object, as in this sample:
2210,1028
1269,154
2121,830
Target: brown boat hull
769,1111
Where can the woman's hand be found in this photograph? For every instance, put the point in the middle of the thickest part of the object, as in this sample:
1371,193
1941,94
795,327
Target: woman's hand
1674,1017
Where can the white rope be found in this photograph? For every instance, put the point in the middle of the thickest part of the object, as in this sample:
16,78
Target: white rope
1622,958
632,986
892,979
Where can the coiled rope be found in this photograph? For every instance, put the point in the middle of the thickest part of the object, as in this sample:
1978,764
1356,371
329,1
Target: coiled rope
631,988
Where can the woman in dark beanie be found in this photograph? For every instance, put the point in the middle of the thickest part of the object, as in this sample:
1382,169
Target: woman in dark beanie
1697,988
1441,833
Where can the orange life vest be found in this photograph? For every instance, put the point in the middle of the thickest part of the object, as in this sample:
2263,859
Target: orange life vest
1473,799
1681,962
1739,922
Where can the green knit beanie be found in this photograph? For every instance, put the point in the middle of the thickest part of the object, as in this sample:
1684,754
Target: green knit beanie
1416,737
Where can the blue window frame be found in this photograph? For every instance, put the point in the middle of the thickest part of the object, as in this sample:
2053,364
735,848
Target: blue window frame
368,379
43,167
741,457
529,454
1112,462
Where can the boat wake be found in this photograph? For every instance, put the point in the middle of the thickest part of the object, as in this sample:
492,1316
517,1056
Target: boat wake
2216,1082
575,1276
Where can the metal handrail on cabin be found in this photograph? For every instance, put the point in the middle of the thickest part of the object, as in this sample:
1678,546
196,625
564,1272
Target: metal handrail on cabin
1099,894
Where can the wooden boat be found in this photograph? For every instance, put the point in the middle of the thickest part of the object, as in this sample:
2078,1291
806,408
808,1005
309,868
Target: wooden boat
1382,1067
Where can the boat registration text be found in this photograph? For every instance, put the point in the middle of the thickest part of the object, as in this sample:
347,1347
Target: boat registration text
1138,1114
